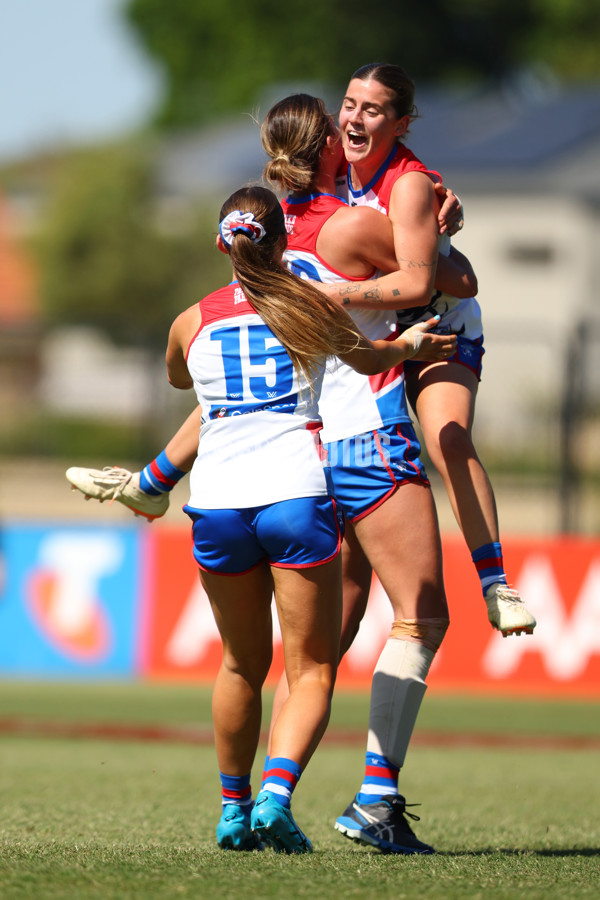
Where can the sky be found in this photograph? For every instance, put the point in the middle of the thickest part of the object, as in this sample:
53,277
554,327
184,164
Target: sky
70,72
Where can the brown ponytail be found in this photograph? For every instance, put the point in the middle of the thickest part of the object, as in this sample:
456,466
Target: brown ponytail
293,134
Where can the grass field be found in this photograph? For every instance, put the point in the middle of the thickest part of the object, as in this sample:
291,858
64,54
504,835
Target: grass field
108,814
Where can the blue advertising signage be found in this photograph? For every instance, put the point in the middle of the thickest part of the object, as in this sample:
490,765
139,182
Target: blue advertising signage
69,603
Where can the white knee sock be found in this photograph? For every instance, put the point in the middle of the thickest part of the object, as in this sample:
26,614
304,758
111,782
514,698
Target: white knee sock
397,689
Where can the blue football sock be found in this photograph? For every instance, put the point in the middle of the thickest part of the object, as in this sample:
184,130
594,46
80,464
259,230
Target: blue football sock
489,565
160,476
381,779
281,777
236,789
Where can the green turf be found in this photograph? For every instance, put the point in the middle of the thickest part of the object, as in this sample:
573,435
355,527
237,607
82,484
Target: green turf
189,706
90,818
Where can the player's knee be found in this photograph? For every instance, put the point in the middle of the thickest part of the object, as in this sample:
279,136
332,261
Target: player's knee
455,443
251,668
428,632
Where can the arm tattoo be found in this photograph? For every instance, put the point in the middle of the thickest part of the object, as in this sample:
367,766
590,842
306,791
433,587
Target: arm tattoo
347,290
413,264
373,293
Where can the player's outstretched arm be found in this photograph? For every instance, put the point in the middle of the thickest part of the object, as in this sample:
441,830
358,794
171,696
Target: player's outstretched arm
372,357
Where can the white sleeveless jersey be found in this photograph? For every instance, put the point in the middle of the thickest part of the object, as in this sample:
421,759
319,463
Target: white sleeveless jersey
350,403
259,440
457,316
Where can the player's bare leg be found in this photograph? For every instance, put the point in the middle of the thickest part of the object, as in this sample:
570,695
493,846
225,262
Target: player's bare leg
356,584
443,397
309,607
241,606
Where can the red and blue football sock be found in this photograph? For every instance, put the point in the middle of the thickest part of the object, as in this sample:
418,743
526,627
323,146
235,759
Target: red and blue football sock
236,789
160,476
380,780
265,770
280,778
489,565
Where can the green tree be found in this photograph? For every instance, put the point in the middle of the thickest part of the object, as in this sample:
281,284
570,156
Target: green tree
107,258
219,56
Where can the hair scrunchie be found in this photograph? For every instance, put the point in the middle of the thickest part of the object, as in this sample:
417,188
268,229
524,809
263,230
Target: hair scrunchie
237,222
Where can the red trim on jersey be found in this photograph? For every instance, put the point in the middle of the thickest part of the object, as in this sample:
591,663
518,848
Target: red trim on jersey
312,216
381,379
197,332
315,429
224,303
404,161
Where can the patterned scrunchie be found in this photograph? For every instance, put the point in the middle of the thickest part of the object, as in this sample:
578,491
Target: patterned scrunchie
237,222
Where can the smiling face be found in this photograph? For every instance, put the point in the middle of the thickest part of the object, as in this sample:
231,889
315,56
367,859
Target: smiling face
369,125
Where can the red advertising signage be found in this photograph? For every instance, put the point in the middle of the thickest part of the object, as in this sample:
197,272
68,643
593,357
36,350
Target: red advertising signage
559,578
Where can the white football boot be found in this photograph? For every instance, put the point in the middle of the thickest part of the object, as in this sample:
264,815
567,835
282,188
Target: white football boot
507,612
115,483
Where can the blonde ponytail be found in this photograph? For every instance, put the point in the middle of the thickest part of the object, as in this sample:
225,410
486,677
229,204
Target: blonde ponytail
309,325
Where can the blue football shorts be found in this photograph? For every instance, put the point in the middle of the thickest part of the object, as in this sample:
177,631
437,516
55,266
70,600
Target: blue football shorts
364,470
298,533
468,353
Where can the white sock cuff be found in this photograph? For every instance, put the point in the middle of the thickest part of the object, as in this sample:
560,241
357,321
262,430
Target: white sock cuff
404,659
